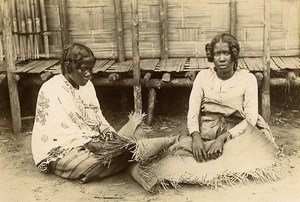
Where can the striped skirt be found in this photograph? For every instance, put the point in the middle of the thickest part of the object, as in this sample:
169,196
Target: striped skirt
82,165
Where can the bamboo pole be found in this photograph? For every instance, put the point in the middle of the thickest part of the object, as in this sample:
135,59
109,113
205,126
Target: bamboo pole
259,78
152,83
1,47
44,28
21,27
1,44
164,29
35,37
137,89
166,77
151,105
63,23
191,75
15,29
30,29
9,51
119,30
265,91
233,17
23,30
113,77
37,27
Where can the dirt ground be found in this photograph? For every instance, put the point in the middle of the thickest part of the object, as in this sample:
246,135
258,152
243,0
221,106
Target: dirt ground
21,181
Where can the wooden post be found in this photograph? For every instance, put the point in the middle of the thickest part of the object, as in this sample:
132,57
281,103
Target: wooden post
137,89
63,23
265,91
9,58
164,29
151,105
164,48
119,30
233,17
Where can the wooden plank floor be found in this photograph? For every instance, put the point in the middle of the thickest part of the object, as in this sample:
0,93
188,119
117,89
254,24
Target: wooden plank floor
253,64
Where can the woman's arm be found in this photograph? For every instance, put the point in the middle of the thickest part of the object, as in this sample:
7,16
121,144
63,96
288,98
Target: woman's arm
193,120
250,106
195,100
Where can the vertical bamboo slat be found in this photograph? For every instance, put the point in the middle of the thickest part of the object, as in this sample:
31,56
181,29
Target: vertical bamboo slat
44,27
29,29
119,30
22,29
233,17
63,23
37,28
1,29
35,38
15,29
164,29
266,112
9,52
1,50
137,89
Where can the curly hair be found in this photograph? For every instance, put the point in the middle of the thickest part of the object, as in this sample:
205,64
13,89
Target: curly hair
74,56
234,47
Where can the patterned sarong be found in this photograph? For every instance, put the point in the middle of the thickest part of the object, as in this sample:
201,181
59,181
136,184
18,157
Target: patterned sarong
83,165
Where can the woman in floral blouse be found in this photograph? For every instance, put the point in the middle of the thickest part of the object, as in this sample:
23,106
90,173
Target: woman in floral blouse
69,122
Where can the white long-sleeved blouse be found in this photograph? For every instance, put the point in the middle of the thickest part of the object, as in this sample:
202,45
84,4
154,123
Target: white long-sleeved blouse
239,92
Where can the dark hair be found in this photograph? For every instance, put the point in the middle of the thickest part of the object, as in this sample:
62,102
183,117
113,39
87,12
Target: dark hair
74,56
233,43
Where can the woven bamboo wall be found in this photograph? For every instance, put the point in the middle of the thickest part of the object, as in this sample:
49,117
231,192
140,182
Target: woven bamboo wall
52,13
284,27
191,24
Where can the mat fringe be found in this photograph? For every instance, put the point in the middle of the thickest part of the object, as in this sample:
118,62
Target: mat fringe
228,178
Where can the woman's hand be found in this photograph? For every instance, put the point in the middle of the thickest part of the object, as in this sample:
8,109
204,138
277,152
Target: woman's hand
108,136
216,148
198,147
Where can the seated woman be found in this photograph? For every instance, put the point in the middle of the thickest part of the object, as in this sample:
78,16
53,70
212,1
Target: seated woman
69,127
216,89
226,133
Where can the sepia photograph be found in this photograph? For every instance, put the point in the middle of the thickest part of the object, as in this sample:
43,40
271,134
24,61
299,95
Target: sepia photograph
149,100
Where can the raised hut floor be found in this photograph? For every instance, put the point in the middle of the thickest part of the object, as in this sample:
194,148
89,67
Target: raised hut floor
155,73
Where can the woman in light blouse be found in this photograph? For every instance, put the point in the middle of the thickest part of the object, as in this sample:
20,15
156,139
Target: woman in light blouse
223,99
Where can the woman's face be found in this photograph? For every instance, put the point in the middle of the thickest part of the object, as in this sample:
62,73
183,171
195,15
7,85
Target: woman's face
81,75
222,59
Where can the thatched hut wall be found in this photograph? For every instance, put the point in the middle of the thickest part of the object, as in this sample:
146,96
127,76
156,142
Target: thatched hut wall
191,24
